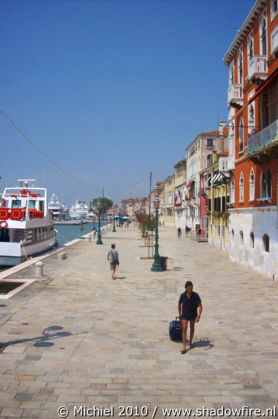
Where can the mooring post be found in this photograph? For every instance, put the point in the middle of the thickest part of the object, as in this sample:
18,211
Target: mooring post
39,269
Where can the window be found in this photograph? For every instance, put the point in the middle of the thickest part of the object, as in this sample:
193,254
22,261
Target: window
209,142
263,184
241,134
32,204
223,204
240,66
274,7
241,236
251,120
232,192
16,203
232,73
263,35
251,186
250,48
266,242
252,240
209,159
268,184
241,188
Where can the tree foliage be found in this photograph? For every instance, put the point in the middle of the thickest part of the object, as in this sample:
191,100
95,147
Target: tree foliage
143,220
104,202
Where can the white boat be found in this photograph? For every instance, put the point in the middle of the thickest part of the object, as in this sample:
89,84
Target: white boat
79,210
59,211
26,224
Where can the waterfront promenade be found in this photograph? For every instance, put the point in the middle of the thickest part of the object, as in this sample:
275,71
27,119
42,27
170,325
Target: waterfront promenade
78,339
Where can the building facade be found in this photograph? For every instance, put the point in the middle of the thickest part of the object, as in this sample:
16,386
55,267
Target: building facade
198,157
167,210
253,139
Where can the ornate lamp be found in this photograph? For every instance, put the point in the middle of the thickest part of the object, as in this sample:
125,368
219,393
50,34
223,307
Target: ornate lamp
99,241
156,267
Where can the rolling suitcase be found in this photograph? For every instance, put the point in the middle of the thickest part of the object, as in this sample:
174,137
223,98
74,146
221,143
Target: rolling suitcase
175,330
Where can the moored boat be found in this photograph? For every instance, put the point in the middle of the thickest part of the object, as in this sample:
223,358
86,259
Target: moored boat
26,224
79,210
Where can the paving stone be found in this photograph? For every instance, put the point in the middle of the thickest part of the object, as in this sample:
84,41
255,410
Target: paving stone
108,341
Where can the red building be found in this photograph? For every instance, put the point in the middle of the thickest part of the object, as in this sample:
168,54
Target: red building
253,134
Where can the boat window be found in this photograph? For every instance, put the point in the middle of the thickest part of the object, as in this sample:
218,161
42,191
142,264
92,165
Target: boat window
16,203
41,206
32,204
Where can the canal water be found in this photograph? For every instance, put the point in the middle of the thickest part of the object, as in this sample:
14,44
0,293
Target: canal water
69,232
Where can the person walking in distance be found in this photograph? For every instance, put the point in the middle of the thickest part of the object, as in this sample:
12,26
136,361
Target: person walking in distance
189,303
179,233
113,259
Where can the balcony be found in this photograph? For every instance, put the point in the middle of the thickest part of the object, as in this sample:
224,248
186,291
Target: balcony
263,145
257,68
235,95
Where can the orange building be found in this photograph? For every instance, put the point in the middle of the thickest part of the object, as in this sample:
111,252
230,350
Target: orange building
253,139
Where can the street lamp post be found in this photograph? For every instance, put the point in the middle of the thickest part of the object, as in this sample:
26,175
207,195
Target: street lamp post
114,225
99,241
156,266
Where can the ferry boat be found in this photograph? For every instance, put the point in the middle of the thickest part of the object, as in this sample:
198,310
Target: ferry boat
79,210
26,224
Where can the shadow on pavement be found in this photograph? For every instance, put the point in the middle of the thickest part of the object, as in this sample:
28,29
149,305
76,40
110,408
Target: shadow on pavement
41,341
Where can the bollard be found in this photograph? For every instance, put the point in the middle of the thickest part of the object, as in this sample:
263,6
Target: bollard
39,269
62,255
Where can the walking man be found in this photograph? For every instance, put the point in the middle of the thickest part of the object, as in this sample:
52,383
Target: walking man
189,303
113,259
179,233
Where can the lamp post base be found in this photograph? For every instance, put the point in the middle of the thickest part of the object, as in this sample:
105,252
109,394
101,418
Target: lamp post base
156,267
99,241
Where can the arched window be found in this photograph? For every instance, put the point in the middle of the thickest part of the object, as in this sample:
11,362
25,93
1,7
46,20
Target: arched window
263,185
263,35
252,186
274,7
268,185
250,48
240,66
232,191
241,237
241,188
266,242
252,240
241,134
232,72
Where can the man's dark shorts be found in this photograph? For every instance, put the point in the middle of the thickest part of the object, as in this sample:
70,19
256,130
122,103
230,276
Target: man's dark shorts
113,266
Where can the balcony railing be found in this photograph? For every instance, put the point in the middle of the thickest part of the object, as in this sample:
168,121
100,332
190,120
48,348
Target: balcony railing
263,139
257,68
235,94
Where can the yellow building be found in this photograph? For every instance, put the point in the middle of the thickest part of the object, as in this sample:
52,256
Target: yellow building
218,201
167,210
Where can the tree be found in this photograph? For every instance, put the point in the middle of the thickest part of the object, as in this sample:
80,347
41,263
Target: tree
104,202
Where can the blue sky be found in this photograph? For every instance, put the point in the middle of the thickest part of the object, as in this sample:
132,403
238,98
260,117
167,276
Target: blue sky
110,89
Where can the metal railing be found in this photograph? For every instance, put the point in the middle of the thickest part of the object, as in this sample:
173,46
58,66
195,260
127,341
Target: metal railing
263,138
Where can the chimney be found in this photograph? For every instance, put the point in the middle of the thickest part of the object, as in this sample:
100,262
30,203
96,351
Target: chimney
221,127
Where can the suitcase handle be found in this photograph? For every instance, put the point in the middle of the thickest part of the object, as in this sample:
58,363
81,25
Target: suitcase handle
177,318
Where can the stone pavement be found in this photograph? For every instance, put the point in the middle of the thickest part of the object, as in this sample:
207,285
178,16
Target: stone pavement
78,339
